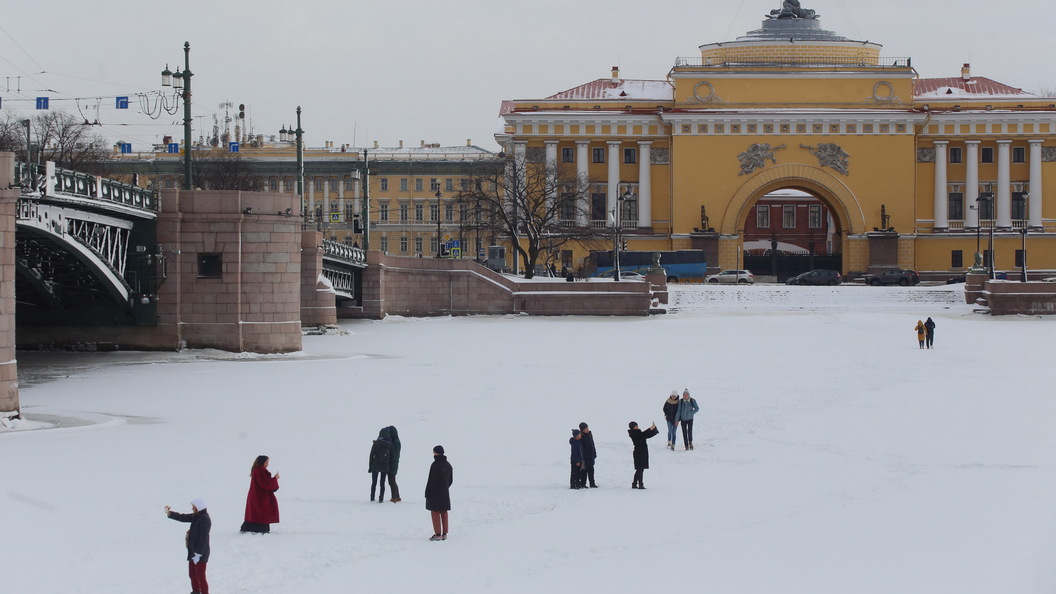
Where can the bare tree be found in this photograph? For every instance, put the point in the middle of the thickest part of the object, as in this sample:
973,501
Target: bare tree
57,136
539,206
219,169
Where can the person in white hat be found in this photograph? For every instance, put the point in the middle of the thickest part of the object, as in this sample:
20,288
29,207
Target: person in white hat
197,542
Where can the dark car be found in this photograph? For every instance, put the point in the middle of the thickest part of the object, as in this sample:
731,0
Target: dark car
816,277
893,277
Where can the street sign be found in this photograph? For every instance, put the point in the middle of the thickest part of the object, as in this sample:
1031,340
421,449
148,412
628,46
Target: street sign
121,103
172,147
42,102
335,217
456,252
232,147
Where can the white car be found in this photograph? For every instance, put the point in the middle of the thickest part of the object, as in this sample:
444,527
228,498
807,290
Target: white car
730,277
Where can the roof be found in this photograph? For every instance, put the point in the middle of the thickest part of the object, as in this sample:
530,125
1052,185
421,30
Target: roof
621,89
975,87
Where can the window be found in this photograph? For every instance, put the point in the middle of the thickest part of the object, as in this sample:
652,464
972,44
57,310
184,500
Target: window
384,184
403,184
434,185
350,211
403,244
419,212
1019,154
986,208
463,184
762,216
956,259
955,204
1019,206
449,212
630,155
599,155
403,213
417,245
274,185
955,154
814,216
629,212
434,212
449,185
210,266
418,184
598,207
350,183
383,212
788,218
384,243
317,183
568,155
567,207
986,154
433,244
1019,258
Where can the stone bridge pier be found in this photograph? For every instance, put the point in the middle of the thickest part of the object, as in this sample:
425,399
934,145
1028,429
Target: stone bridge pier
9,406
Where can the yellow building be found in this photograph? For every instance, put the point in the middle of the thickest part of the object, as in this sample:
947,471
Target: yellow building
914,172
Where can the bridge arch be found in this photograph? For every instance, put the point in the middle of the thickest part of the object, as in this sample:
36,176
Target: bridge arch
841,201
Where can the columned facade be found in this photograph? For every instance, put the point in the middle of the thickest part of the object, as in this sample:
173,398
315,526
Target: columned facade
942,221
971,182
1004,187
645,184
1036,194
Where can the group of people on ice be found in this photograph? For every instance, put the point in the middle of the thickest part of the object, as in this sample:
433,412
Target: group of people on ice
925,333
677,411
262,507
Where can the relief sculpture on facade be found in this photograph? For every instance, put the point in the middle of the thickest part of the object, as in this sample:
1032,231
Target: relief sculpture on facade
832,155
925,155
756,156
1048,154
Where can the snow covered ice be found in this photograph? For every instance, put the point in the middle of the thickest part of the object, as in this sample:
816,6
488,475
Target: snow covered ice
832,455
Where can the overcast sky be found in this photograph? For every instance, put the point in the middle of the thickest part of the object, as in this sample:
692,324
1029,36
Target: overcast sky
437,70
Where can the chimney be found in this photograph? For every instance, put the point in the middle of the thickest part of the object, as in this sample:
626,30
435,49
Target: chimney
615,75
966,72
375,144
469,142
421,143
401,144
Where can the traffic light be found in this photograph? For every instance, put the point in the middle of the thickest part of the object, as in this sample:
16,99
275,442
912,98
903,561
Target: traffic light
357,227
241,111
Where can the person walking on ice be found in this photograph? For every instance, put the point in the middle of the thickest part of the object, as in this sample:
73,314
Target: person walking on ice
671,414
921,333
687,407
641,451
929,332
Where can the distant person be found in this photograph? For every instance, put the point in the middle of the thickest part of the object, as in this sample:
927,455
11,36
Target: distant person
687,407
922,333
671,413
929,327
590,454
641,451
552,270
262,507
197,542
569,277
575,478
379,463
438,492
394,464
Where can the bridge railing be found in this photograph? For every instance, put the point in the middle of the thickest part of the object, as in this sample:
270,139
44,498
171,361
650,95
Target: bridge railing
340,251
66,181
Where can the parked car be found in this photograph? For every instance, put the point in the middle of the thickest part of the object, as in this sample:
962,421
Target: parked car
730,277
893,277
624,275
820,276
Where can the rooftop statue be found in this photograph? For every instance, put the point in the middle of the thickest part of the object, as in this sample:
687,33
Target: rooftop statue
791,9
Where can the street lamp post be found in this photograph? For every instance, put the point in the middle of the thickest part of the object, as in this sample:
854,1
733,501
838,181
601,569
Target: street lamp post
365,218
182,80
438,248
1023,235
617,221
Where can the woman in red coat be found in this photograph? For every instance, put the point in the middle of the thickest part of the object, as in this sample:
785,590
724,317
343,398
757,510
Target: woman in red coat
262,509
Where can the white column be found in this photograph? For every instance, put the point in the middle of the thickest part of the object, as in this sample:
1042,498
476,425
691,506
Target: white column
282,184
645,183
614,175
341,197
1004,184
583,179
1035,198
551,170
941,191
971,183
326,199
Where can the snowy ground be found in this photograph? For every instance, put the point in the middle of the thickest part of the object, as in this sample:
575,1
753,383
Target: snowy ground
832,454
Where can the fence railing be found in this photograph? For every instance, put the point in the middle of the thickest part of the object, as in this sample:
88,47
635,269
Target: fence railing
344,252
54,180
830,62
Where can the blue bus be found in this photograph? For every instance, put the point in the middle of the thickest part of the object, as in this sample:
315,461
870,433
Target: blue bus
680,265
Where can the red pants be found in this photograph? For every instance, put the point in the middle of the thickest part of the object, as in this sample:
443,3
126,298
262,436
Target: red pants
197,573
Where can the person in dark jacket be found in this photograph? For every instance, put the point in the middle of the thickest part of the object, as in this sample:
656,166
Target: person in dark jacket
380,462
687,407
197,542
671,414
641,451
590,454
929,331
438,494
262,508
394,465
575,480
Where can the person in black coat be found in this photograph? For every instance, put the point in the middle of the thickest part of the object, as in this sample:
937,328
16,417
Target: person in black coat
380,463
590,454
575,480
929,331
394,439
641,451
438,494
197,542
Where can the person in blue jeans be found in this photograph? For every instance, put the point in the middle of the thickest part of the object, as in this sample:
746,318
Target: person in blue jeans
671,414
687,407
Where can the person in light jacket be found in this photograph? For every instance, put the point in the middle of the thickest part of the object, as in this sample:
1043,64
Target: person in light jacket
197,542
262,507
687,407
438,492
921,333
